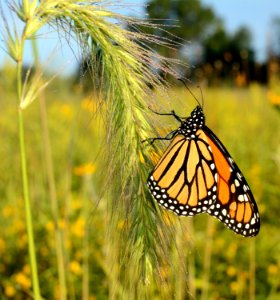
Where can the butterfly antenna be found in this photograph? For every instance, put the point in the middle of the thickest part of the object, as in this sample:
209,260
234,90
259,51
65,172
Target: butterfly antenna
201,94
184,83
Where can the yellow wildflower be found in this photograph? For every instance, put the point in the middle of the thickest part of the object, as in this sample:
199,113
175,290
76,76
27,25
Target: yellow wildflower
10,291
75,267
85,169
66,111
8,211
231,271
89,105
234,287
272,269
76,204
78,227
50,226
273,97
22,280
19,225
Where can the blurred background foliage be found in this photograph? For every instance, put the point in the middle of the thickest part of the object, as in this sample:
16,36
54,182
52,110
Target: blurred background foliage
242,102
218,55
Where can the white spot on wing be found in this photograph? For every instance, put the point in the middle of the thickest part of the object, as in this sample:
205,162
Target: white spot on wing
241,198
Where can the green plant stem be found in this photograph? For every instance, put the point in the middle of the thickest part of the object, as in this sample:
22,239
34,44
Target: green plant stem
29,225
51,184
207,258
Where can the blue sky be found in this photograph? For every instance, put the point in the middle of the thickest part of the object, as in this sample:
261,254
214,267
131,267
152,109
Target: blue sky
255,14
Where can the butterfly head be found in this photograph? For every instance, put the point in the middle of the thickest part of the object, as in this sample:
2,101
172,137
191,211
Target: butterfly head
195,121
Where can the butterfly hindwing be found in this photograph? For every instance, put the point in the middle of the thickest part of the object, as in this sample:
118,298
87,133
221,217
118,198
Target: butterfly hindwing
235,205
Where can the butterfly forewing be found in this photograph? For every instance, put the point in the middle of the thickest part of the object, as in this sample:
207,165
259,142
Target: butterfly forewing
184,179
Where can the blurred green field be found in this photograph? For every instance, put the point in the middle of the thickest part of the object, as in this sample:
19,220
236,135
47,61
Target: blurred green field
221,265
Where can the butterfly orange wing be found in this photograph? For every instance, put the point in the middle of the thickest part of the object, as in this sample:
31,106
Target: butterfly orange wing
235,205
185,178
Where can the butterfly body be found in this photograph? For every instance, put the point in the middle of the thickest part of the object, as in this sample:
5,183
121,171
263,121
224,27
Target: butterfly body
196,175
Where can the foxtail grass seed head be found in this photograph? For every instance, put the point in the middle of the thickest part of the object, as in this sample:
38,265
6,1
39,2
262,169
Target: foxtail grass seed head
126,70
26,10
32,88
14,47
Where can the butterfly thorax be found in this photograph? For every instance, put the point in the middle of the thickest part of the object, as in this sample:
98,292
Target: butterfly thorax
192,123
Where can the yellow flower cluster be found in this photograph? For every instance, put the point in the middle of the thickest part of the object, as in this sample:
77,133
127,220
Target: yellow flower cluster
85,169
23,280
67,111
10,291
272,269
273,98
78,227
89,105
75,267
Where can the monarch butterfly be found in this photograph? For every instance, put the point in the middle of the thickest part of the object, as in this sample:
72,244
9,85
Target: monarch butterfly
196,174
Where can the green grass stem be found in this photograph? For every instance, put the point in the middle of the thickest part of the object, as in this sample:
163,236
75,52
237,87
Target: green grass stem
28,213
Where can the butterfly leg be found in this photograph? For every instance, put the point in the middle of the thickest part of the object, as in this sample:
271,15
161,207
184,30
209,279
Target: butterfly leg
172,113
167,138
